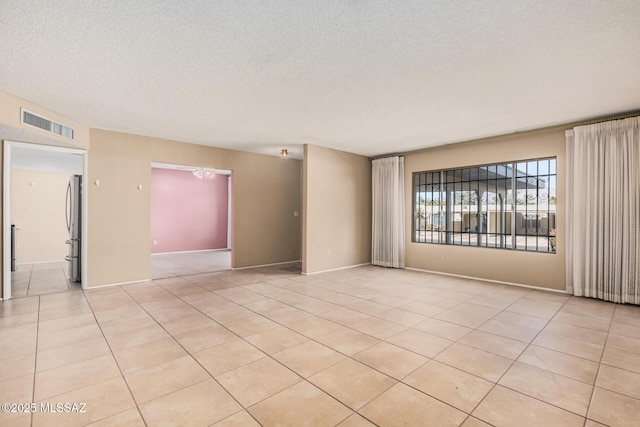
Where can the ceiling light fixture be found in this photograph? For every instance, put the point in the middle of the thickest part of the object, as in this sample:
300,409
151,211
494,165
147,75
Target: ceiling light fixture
284,154
203,173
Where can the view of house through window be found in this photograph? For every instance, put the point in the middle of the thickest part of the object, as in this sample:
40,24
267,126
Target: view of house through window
507,205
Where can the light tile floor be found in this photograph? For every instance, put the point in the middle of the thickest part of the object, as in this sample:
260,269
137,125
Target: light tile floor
186,263
39,279
360,347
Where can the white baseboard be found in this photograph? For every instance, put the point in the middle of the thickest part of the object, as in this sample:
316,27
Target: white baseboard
336,269
540,288
266,265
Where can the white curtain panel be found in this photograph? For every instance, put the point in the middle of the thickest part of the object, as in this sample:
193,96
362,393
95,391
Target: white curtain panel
603,171
388,212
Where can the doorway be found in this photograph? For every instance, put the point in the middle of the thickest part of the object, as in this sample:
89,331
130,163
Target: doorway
190,220
38,212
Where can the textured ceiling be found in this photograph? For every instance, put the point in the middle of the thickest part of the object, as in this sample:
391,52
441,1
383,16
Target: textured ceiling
369,77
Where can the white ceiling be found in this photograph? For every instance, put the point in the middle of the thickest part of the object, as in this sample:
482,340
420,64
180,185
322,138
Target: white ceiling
369,77
46,160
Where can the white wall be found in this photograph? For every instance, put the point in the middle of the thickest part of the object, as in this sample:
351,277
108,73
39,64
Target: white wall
38,211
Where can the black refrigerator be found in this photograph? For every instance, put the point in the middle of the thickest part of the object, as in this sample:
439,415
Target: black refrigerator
74,226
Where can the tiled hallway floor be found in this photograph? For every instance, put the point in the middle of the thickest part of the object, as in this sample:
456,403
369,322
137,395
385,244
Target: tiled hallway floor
360,347
186,263
39,279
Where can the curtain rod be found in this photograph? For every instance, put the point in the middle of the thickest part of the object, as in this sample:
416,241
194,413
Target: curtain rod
622,116
601,119
384,156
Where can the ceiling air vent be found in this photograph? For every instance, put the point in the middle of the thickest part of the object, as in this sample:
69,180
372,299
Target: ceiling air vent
46,124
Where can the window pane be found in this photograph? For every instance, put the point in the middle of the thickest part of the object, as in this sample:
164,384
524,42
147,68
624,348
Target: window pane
478,206
482,173
543,167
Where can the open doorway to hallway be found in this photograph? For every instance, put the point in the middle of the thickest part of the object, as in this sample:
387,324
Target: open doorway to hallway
190,220
43,213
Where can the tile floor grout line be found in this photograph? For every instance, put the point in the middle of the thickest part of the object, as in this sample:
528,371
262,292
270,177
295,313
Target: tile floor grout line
595,380
351,356
564,376
574,338
556,373
584,327
158,323
314,338
531,343
428,316
348,327
30,277
224,269
273,297
61,286
114,359
224,253
316,315
463,336
35,359
304,380
468,414
494,384
277,361
621,369
565,353
341,293
190,355
514,361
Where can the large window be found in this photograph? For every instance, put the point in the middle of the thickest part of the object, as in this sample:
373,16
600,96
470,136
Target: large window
507,205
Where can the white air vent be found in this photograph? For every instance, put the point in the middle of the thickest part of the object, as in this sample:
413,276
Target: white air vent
46,124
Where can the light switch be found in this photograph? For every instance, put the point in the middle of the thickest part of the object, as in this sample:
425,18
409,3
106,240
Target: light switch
295,213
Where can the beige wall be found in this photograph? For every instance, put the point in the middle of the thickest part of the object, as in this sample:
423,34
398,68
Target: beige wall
266,192
535,269
38,211
336,193
337,209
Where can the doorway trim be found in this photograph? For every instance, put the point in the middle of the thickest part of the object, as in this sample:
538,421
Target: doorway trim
6,209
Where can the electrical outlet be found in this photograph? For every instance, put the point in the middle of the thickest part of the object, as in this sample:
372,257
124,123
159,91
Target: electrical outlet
295,213
155,242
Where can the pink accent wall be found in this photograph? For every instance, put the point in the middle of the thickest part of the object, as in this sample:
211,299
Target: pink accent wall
187,213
